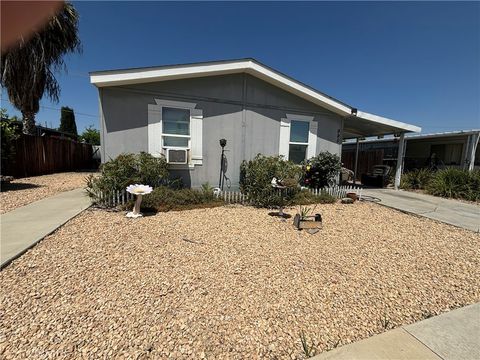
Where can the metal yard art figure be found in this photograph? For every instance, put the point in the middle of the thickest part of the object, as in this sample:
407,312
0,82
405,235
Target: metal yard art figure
223,167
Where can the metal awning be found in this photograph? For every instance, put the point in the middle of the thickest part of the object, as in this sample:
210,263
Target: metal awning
365,125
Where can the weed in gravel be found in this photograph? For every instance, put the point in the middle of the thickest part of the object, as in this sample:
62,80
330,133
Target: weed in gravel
333,345
427,314
308,350
385,322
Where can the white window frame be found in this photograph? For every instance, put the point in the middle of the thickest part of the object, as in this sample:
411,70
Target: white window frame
156,135
189,136
285,127
299,143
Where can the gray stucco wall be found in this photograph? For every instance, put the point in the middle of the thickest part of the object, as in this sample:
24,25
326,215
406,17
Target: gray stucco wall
250,123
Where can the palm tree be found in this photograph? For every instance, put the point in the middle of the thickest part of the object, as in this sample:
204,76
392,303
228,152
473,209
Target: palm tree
27,71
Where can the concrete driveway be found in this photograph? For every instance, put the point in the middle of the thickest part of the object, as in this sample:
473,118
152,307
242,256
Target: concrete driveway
449,211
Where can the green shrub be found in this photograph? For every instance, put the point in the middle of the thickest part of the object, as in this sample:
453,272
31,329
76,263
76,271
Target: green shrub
127,169
164,198
256,176
416,179
456,183
9,133
321,170
305,197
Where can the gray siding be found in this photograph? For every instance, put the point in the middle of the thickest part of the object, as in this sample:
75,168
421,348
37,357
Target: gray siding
250,123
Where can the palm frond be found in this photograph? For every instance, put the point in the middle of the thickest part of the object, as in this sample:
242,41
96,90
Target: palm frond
28,70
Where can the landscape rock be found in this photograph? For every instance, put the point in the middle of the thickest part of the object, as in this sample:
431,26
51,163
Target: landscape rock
23,191
102,286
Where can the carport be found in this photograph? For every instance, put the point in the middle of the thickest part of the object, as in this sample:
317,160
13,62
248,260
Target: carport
361,125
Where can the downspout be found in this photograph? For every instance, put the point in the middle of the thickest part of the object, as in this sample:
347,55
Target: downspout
102,126
356,162
244,116
355,170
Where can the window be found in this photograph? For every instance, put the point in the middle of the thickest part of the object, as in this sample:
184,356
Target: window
175,127
298,137
449,154
298,145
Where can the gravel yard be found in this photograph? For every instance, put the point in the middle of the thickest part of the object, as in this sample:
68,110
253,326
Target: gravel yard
230,282
23,191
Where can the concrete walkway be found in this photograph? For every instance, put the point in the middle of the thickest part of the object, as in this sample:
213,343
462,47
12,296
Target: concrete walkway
24,227
449,211
451,336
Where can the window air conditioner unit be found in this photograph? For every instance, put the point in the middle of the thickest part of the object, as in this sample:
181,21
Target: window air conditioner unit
177,156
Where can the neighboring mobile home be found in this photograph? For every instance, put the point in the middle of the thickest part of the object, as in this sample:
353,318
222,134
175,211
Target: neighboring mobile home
182,111
457,149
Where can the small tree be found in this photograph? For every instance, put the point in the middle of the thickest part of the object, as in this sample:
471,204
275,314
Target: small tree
9,133
321,170
91,136
67,121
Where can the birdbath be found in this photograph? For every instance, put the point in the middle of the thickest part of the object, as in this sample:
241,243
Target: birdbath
138,190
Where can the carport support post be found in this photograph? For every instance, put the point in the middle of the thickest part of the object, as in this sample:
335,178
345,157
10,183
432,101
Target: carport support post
472,144
399,169
356,162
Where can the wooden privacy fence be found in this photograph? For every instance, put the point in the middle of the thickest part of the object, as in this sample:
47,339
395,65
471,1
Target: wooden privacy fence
117,198
39,155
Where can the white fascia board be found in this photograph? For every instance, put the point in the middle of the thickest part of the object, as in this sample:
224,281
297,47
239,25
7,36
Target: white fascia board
444,134
402,127
136,76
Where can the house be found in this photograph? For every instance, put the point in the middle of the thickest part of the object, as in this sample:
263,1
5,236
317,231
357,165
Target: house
445,149
182,111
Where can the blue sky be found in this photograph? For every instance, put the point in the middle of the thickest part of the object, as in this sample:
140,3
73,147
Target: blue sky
413,62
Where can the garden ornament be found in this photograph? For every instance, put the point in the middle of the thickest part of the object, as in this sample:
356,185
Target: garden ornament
278,184
138,190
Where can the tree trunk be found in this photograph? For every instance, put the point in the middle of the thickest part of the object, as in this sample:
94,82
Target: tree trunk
28,122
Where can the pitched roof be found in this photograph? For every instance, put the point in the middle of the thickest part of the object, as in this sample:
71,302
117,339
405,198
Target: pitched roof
261,71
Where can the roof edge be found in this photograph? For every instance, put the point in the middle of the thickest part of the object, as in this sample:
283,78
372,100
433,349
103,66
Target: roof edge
390,122
250,66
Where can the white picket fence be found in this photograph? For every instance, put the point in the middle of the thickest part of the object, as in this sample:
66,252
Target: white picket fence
339,191
117,198
232,197
113,198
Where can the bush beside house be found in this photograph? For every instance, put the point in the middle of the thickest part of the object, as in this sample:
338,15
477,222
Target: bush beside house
127,169
449,182
321,171
256,176
416,179
143,168
255,181
164,198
